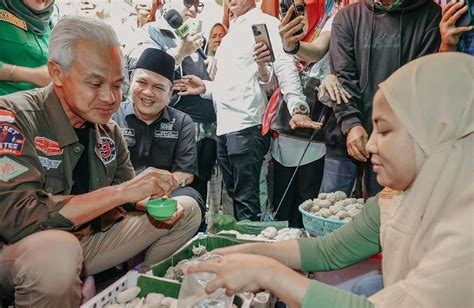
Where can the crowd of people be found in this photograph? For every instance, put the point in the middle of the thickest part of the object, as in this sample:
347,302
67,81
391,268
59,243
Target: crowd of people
343,97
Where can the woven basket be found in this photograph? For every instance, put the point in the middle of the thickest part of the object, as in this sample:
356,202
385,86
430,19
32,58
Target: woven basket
317,225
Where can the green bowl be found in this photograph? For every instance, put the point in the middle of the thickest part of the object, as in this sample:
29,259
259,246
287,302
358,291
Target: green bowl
161,209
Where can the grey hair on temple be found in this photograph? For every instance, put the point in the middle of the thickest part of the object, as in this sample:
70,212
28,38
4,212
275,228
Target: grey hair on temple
71,29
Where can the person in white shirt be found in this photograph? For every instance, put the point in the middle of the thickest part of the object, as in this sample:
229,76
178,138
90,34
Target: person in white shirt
240,102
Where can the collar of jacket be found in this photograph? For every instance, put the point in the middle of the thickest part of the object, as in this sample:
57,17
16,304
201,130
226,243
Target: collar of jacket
63,129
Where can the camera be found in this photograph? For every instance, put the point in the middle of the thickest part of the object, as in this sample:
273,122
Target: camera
299,10
256,31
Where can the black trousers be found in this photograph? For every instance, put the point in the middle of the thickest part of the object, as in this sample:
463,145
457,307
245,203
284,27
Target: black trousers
240,156
206,153
305,186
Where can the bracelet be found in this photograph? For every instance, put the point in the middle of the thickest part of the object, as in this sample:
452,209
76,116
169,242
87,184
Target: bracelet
294,51
11,72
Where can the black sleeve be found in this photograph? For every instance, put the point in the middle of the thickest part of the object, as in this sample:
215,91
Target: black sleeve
185,156
343,65
432,37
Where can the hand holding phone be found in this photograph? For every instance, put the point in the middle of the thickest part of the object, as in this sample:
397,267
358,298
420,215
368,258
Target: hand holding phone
299,10
455,21
260,34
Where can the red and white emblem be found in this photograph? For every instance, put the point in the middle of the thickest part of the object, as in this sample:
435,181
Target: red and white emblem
48,146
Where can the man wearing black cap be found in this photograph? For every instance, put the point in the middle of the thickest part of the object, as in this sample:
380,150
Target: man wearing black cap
161,36
157,135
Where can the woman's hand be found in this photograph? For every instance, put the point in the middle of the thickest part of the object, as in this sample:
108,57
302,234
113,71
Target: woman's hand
333,87
242,272
449,32
288,29
237,272
189,85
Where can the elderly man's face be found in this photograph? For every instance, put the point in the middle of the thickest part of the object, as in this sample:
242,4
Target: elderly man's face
151,93
92,88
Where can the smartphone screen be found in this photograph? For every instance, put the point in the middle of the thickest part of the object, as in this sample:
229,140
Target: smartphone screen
260,33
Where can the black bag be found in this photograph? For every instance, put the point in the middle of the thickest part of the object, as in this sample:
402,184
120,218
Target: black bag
318,113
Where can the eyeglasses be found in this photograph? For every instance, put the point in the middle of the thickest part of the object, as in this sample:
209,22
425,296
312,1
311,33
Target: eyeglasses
198,5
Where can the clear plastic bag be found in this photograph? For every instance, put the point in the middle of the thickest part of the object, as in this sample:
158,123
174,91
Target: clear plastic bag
193,293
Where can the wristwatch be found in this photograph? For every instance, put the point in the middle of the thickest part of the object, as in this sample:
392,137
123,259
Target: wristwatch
300,109
295,50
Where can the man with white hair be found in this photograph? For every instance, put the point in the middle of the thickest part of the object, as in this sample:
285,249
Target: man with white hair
65,174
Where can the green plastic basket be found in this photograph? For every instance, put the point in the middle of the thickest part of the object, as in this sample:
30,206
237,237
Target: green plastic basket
317,225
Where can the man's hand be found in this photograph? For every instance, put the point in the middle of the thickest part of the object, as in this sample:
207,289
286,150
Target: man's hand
151,182
333,87
304,121
288,29
449,32
170,223
261,54
356,142
192,42
189,85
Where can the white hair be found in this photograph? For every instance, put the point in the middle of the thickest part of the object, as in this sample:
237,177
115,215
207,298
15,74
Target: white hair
71,29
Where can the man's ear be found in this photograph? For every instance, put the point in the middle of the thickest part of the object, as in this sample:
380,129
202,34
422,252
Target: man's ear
56,72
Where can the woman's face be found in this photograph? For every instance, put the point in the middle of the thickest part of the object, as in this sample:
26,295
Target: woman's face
37,5
391,146
217,35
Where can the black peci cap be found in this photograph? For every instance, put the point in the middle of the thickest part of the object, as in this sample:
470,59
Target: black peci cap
157,61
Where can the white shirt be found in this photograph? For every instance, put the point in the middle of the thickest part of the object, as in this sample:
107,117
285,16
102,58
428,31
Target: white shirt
240,100
288,151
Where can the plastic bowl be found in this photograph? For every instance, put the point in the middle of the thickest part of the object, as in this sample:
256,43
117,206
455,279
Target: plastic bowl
161,209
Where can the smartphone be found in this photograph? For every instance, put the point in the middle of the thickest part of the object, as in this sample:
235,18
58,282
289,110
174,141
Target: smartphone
464,21
299,11
260,33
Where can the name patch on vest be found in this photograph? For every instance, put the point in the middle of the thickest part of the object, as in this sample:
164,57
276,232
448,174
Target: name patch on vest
166,134
130,132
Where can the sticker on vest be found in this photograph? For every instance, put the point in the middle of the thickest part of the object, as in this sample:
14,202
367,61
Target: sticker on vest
166,134
10,169
7,116
128,132
11,140
49,163
107,151
48,146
